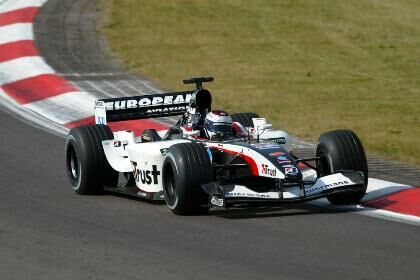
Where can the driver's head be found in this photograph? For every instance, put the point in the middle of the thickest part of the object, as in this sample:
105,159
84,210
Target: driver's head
218,125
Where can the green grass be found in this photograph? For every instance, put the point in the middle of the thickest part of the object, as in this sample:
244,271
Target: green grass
309,66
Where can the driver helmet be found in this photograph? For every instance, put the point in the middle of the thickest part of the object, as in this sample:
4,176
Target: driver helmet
218,125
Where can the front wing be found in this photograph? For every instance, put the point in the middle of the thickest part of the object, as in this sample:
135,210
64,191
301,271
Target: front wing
232,195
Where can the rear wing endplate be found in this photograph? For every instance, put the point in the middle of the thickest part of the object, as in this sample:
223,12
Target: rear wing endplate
141,107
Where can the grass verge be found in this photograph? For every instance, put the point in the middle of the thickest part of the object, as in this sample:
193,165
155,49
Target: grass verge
309,66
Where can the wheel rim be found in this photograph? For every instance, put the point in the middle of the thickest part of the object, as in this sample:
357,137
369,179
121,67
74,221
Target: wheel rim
170,185
73,166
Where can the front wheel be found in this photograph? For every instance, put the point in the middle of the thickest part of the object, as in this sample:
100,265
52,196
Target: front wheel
187,166
342,150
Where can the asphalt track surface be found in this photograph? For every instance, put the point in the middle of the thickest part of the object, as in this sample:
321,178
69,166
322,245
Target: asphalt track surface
48,232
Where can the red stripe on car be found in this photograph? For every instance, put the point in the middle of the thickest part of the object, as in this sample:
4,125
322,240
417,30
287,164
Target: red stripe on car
247,159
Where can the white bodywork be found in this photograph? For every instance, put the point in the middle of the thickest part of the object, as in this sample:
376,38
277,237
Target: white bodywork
100,112
264,167
325,183
145,161
265,131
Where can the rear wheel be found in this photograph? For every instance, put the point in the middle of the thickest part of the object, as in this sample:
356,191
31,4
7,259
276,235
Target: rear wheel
187,166
245,119
87,166
342,150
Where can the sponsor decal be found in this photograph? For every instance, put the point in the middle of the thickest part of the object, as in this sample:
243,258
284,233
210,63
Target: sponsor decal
221,123
145,138
326,187
217,201
243,194
283,161
148,101
164,151
264,146
276,154
291,170
268,171
167,109
100,120
117,144
147,177
280,140
282,158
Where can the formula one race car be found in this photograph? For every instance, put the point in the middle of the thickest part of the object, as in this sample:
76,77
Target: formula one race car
249,163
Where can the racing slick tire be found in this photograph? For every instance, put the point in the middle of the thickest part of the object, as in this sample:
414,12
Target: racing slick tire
86,163
245,118
342,150
186,167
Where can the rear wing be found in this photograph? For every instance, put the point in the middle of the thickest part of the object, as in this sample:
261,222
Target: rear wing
141,107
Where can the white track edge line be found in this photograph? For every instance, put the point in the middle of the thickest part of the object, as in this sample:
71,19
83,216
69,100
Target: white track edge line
12,5
31,117
16,32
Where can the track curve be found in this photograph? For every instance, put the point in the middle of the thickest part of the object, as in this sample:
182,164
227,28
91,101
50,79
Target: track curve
46,231
66,32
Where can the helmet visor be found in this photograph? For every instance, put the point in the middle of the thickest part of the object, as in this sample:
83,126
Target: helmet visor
220,128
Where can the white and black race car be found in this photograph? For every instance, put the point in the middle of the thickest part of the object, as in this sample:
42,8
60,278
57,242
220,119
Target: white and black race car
193,174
